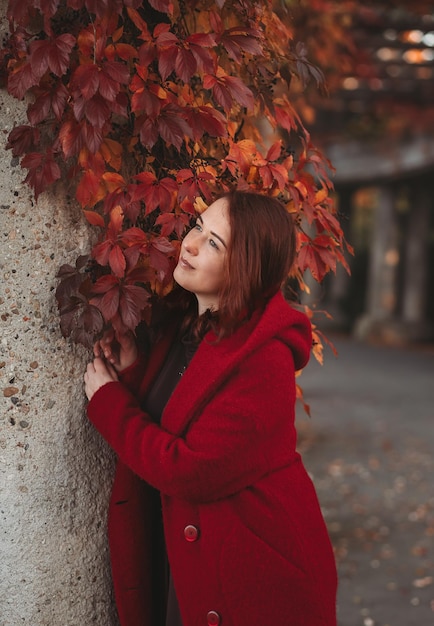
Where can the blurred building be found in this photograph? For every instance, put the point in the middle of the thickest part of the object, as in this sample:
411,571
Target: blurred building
377,128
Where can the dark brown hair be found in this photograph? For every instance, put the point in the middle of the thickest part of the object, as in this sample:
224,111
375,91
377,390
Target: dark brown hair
261,253
260,256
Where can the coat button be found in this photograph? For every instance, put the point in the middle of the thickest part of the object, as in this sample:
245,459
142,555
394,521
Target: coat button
191,533
213,618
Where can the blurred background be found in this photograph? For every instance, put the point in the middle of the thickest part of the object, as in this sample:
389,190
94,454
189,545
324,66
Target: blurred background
369,440
375,122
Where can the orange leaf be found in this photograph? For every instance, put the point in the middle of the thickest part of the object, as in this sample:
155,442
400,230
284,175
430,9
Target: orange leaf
94,218
275,150
87,189
113,181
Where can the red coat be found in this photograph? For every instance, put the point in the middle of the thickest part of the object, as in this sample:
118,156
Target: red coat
246,540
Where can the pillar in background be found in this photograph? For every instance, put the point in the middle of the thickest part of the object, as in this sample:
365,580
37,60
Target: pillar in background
415,284
55,471
381,297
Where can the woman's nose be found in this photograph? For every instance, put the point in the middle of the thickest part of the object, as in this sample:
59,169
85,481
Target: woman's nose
191,243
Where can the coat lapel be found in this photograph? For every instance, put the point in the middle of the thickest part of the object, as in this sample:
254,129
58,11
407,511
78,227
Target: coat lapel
213,363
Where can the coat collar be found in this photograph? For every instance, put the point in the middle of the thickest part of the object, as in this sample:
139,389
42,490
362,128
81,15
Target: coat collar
215,361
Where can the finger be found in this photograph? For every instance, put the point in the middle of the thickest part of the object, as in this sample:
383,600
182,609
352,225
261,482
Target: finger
97,349
99,364
113,373
107,345
107,337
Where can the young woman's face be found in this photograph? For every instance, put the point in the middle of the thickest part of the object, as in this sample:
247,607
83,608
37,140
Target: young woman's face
201,265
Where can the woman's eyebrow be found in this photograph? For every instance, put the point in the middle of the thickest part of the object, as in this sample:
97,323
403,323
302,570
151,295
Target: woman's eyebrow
199,217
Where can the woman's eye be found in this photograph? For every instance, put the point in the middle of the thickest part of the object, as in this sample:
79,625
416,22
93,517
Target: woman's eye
213,244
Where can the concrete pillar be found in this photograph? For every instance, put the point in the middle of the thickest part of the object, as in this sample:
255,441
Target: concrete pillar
381,298
414,298
384,257
55,472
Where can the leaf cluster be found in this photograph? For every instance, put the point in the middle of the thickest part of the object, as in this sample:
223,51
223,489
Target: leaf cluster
150,110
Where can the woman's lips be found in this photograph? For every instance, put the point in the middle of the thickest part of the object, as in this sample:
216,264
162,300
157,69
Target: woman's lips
185,264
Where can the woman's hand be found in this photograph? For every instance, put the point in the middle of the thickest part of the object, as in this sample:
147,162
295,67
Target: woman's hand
97,374
120,350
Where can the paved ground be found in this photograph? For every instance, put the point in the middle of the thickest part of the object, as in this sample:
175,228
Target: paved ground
369,447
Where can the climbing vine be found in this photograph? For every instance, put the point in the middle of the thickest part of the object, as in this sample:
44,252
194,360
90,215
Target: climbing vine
150,110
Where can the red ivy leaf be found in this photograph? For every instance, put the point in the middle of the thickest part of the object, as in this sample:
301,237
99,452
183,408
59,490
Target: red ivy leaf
155,193
164,6
19,12
73,136
92,323
327,222
38,111
108,303
81,322
159,249
134,236
198,44
173,222
139,22
170,126
70,138
21,80
185,64
23,139
87,188
117,261
228,90
205,119
106,79
146,97
86,80
238,40
48,8
51,54
133,299
59,99
43,170
285,115
274,152
91,137
101,252
316,255
194,184
271,174
104,284
149,133
94,218
70,280
114,297
96,110
167,53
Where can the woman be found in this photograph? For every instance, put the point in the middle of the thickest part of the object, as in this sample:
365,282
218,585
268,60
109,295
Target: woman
207,420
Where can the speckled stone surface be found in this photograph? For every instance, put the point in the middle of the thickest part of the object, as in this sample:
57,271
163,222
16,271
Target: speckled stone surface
55,472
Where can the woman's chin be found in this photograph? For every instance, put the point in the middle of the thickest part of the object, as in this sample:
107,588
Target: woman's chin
177,275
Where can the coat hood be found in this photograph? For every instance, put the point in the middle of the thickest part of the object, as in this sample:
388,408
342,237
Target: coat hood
216,361
278,320
281,321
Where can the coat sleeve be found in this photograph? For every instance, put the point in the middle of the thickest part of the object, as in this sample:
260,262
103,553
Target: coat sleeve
245,431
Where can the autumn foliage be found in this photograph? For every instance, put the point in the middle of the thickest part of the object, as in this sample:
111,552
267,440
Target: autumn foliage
150,110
